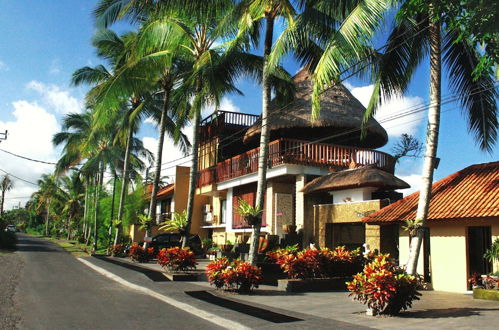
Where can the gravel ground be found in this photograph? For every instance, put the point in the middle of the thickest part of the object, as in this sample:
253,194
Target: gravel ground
11,265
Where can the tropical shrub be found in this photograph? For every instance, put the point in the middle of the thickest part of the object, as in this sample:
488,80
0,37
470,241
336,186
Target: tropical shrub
384,287
118,250
139,254
317,263
492,254
214,271
177,259
236,276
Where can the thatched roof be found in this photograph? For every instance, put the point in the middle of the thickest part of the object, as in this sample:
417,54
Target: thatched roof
367,176
340,112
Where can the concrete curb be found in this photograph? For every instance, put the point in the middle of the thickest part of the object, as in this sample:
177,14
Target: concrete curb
213,318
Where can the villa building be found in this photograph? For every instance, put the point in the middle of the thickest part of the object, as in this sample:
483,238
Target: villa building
463,220
300,150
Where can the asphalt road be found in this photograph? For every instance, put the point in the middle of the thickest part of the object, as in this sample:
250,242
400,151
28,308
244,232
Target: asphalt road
56,291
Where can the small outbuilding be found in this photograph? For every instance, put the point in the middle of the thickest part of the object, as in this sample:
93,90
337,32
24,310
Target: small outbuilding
463,220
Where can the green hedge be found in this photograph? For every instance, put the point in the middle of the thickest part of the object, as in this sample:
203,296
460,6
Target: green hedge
486,294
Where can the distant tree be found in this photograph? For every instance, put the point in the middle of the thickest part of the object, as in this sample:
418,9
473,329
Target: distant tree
407,146
6,184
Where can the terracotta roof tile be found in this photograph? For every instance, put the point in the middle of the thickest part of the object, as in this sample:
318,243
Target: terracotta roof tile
470,193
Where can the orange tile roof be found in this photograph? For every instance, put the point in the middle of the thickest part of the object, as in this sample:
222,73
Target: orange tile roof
470,193
165,191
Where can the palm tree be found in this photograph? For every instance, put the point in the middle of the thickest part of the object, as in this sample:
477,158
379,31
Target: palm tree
6,184
415,36
48,188
71,195
325,36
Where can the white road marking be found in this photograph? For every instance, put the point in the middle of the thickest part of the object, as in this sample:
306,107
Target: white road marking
220,321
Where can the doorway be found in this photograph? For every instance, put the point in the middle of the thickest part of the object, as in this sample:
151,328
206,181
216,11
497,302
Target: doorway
479,240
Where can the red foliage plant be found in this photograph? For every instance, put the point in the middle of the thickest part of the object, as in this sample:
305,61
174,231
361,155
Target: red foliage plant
317,263
384,287
237,275
118,250
177,259
138,254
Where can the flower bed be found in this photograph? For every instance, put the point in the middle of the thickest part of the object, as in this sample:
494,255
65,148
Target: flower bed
138,254
234,276
384,287
177,259
318,263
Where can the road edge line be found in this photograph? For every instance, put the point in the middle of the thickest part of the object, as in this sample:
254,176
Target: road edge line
213,318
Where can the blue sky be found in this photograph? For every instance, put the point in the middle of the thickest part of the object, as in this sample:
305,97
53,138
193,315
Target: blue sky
44,42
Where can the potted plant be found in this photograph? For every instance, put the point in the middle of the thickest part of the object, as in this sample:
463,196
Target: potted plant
252,215
227,247
384,287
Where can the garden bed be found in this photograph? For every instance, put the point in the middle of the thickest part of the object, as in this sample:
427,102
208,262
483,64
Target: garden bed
488,294
181,277
312,284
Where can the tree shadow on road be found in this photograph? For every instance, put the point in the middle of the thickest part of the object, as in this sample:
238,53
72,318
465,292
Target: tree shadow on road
446,312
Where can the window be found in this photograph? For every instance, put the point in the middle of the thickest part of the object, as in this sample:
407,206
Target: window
223,211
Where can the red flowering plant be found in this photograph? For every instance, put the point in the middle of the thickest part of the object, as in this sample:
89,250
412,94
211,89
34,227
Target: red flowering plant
384,287
138,254
235,276
118,250
177,259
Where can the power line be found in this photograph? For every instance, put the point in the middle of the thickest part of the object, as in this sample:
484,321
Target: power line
27,158
12,175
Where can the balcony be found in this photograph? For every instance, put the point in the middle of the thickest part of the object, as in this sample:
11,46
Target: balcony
222,122
290,151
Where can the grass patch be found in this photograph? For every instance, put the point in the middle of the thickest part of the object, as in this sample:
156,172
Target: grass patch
6,253
75,249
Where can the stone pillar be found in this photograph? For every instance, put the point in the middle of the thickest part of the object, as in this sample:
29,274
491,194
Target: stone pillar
300,202
373,235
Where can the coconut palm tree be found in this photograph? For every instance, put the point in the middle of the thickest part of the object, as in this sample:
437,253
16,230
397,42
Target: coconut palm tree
6,184
417,34
326,36
48,188
71,197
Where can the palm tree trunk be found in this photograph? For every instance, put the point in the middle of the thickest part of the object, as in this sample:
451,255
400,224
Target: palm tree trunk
159,157
431,147
100,180
84,229
1,205
124,186
264,141
110,233
192,176
47,218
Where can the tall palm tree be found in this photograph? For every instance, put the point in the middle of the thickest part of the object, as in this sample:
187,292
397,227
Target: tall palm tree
71,196
48,188
191,33
415,36
6,184
325,35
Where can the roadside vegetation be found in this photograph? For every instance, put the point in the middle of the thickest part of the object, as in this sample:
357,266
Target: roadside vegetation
180,57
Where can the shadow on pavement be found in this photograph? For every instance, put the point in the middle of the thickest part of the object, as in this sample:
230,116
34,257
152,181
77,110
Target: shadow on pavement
153,275
242,308
445,313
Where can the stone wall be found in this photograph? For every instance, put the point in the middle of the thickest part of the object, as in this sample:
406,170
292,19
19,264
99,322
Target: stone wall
345,213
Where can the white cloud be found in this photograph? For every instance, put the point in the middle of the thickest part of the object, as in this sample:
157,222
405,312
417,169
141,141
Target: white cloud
396,107
56,98
414,180
29,134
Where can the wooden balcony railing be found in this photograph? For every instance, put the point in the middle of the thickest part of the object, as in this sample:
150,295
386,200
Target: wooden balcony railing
290,151
220,120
